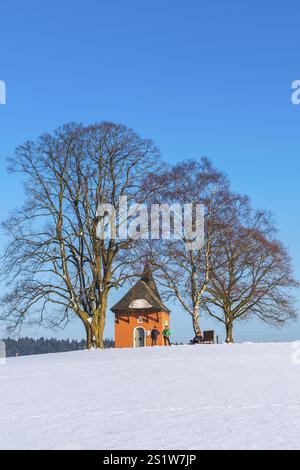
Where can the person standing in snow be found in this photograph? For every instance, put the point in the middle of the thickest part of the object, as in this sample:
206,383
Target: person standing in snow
154,335
166,335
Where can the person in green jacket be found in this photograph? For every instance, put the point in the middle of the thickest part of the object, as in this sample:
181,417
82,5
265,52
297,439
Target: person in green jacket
166,335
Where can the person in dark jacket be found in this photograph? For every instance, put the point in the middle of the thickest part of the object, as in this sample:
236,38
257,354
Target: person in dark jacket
197,340
154,335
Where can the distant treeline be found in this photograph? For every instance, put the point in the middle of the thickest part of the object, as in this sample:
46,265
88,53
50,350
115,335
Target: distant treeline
29,346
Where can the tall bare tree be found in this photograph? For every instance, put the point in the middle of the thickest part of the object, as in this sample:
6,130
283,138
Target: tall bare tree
251,274
56,265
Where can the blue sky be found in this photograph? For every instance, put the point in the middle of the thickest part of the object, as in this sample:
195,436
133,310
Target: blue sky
198,77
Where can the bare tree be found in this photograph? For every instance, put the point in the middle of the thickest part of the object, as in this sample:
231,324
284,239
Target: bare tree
181,270
56,265
251,273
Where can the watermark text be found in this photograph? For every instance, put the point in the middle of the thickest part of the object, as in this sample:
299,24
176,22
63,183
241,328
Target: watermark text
295,357
136,221
296,93
2,92
2,353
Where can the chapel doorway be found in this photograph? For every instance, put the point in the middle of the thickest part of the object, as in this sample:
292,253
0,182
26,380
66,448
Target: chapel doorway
139,338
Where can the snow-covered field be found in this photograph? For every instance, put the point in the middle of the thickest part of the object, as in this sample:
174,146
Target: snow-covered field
184,397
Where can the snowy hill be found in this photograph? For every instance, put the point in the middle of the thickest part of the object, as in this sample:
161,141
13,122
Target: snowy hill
183,397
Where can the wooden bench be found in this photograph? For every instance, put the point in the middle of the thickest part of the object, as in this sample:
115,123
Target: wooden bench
208,337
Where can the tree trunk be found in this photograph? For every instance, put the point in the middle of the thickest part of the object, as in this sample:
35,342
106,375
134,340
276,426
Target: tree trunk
89,335
100,339
98,324
94,325
94,328
229,332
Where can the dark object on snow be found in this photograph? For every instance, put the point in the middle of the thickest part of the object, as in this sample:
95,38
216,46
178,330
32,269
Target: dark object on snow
143,295
207,338
154,335
196,340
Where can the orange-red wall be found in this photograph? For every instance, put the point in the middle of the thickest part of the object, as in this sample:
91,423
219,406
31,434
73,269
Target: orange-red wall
125,325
